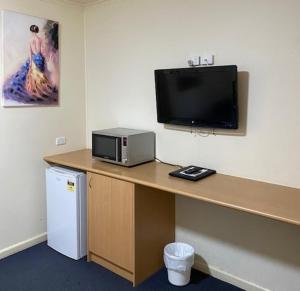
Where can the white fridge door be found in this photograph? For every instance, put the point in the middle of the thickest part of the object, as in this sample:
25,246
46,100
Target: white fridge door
62,213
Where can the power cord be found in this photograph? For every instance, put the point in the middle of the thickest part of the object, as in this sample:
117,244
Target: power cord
158,160
196,131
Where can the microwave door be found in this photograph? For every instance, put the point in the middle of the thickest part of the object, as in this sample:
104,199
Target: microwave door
107,147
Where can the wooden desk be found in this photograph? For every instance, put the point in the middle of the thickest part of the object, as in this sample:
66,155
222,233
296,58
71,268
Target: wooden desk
270,200
150,185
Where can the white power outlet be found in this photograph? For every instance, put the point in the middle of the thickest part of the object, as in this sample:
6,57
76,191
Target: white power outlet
207,60
60,140
194,61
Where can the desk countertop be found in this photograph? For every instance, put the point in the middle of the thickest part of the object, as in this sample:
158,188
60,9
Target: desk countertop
269,200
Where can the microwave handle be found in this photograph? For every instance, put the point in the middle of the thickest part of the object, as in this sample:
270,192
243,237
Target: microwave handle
118,148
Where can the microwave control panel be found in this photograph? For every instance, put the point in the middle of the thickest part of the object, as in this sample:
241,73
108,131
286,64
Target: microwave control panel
124,149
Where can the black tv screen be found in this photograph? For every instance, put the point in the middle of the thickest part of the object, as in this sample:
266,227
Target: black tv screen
201,97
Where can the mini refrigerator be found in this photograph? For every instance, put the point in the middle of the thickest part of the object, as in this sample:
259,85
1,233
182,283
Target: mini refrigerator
66,211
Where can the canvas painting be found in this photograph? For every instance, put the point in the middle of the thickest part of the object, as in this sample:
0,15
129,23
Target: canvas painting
30,60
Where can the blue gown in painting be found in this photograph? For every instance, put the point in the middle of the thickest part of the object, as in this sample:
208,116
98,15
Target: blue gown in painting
30,85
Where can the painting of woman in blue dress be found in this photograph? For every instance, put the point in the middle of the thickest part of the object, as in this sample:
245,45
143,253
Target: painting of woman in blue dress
36,80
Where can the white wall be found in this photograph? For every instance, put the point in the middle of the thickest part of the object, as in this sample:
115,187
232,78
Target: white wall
127,39
28,134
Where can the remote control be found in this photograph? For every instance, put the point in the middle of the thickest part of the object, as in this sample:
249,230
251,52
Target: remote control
192,170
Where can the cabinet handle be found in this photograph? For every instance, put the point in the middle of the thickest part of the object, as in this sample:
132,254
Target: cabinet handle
90,183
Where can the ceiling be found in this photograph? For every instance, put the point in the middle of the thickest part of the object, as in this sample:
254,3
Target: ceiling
81,2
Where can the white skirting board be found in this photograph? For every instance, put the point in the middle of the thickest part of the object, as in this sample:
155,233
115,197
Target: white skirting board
226,277
23,245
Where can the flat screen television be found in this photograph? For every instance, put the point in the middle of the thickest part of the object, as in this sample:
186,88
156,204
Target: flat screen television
200,97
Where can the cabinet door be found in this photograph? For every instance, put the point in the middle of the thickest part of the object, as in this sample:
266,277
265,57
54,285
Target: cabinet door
110,219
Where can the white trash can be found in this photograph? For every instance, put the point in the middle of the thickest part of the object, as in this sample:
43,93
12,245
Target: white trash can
179,259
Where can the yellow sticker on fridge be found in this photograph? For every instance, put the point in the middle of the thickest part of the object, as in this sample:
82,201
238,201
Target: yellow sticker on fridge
71,186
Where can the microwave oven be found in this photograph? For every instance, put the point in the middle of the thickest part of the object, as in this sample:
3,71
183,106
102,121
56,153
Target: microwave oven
123,146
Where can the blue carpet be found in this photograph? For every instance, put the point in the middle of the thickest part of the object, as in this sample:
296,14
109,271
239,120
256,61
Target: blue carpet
42,269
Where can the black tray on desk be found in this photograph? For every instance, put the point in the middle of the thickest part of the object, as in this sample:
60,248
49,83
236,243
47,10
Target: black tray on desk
192,173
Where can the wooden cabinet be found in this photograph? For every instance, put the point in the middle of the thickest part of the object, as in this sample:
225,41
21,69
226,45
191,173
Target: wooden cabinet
128,226
110,228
